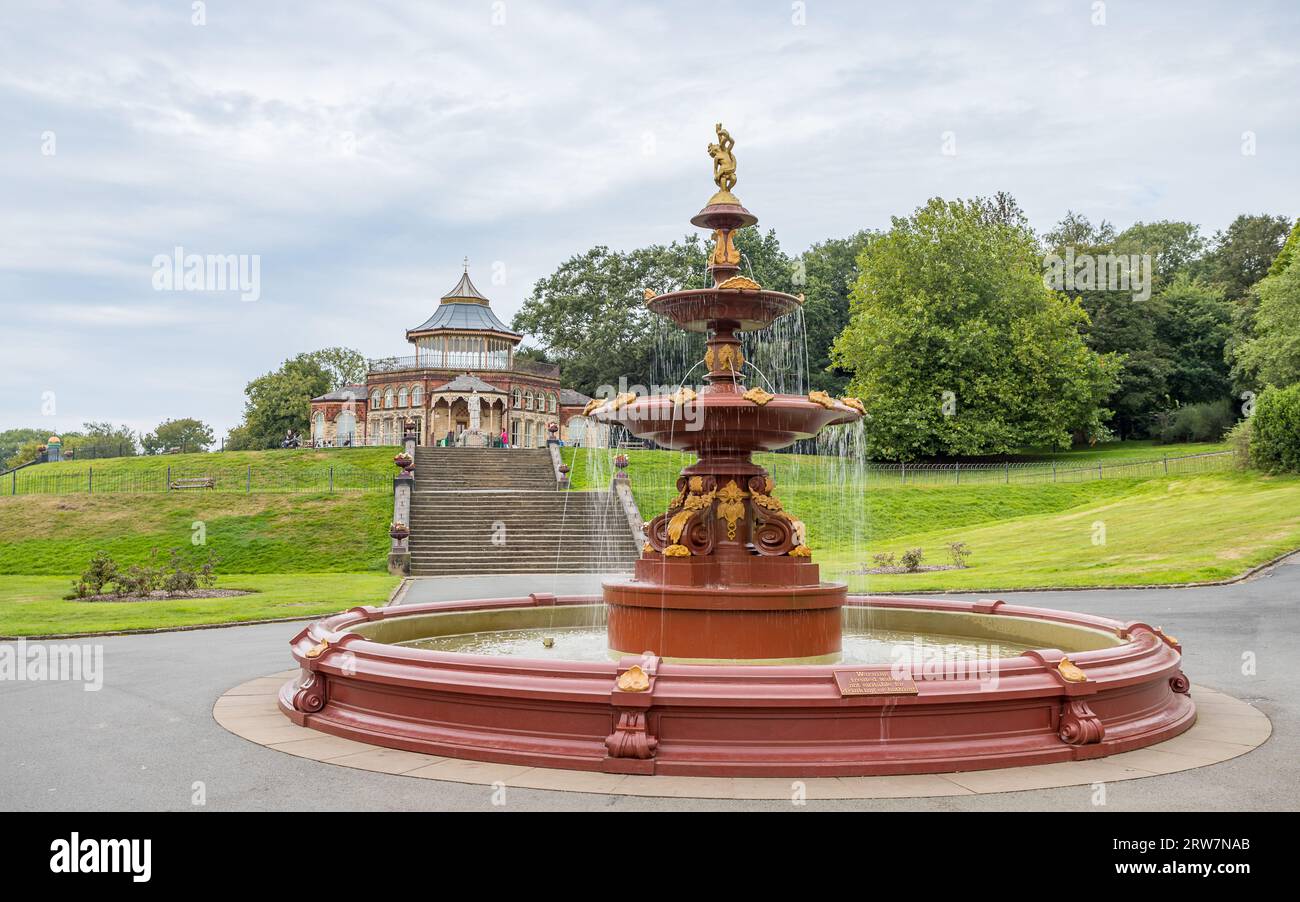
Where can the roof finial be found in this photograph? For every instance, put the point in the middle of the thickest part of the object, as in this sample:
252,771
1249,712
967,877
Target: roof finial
467,265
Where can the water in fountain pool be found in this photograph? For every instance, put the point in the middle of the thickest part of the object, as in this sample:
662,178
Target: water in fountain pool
873,647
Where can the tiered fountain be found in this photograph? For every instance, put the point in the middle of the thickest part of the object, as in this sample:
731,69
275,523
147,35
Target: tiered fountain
725,653
726,573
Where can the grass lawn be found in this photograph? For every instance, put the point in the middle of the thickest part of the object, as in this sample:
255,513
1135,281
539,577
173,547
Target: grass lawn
377,459
33,605
1156,531
232,472
258,533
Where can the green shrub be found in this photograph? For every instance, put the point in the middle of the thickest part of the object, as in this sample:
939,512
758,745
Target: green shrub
1275,433
1205,422
101,571
959,552
911,559
1238,439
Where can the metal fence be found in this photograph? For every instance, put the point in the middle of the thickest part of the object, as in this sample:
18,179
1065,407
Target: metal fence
1049,471
194,479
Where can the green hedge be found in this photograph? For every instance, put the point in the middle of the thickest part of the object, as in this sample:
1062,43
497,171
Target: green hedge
1275,444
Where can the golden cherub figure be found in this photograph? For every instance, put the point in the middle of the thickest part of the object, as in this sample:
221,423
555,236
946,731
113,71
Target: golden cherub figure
724,161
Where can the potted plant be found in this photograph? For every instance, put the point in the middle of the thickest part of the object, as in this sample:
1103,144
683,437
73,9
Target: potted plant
399,531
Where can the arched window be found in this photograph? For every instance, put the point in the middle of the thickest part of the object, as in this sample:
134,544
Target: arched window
554,403
318,426
374,399
388,398
417,396
345,429
401,396
518,396
528,400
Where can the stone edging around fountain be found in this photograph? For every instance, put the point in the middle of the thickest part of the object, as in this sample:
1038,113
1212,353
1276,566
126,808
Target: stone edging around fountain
1225,729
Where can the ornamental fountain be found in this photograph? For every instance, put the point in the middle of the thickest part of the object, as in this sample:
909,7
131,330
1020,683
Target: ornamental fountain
724,653
725,573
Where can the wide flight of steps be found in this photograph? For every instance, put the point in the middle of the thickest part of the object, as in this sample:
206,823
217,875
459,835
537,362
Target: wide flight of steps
496,510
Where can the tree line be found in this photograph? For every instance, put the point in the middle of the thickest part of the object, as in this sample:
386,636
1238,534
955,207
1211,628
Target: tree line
948,327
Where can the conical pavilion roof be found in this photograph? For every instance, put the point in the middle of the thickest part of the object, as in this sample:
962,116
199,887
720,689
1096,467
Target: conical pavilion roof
463,309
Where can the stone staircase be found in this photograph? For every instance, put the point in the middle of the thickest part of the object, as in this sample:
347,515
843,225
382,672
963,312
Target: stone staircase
494,510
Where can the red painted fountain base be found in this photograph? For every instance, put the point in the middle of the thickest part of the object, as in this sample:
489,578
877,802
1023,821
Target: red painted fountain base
773,609
1128,691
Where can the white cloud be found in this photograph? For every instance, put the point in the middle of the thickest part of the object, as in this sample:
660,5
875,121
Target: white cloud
361,150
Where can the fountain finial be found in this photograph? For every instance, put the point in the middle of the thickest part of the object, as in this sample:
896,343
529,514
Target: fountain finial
724,166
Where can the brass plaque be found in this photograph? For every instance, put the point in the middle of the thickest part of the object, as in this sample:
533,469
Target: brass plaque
872,682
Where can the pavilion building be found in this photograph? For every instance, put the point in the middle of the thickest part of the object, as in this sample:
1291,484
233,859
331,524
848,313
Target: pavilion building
463,382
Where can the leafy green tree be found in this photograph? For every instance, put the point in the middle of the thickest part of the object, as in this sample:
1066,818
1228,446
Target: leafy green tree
952,300
1243,252
1288,252
281,401
101,439
1275,427
187,434
1175,247
1272,355
1195,324
828,272
1076,230
590,314
238,439
13,439
344,366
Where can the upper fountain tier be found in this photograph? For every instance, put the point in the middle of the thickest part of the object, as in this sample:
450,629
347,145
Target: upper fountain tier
724,417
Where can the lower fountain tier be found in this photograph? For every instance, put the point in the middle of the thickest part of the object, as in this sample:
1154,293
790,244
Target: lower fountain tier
748,610
721,419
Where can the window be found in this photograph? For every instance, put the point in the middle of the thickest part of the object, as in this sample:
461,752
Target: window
528,400
374,399
345,427
318,426
417,396
388,398
401,396
518,396
554,403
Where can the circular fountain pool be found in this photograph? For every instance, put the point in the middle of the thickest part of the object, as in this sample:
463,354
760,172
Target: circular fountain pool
927,686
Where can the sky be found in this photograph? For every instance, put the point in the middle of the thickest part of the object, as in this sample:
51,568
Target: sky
358,152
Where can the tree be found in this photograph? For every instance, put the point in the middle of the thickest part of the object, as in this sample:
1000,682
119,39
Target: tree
1272,355
187,434
1243,255
344,366
101,440
829,271
13,439
590,314
1243,252
1195,324
1076,230
1289,248
1174,247
958,347
281,401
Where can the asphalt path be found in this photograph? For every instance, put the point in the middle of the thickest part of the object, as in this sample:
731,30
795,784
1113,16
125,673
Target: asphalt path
147,737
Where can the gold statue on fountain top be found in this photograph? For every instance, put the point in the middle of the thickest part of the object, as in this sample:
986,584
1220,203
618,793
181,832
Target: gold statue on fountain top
724,167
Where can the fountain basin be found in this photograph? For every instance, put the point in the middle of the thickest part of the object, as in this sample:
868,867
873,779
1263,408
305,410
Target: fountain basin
724,420
741,720
698,309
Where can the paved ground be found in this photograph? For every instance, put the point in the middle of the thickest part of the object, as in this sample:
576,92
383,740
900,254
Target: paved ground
147,736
